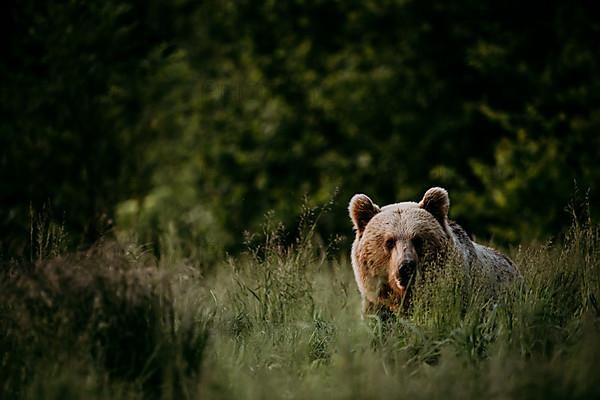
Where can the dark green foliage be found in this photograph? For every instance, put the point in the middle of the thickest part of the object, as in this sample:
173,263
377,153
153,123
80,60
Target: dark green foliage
184,122
70,100
391,97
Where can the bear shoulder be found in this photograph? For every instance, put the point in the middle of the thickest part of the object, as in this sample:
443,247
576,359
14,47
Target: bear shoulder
462,242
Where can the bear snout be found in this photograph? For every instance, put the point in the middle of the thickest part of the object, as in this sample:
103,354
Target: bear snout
406,271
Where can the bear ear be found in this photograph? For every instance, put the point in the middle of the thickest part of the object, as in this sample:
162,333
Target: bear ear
437,202
362,209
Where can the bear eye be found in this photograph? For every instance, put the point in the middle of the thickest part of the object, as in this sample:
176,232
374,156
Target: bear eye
390,244
418,244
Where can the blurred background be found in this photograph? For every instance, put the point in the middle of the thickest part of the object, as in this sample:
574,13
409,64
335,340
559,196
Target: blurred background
182,123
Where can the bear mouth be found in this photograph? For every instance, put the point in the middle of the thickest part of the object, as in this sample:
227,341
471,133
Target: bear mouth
399,284
398,289
392,291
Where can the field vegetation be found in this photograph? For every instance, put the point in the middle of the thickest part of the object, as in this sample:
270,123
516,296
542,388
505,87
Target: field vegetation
174,181
283,321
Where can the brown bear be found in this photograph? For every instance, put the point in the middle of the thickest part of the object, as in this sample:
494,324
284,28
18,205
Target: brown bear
394,242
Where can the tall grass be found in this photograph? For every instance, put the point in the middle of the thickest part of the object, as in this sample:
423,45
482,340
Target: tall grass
95,324
283,321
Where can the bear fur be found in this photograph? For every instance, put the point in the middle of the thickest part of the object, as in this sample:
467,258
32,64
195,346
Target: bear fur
393,242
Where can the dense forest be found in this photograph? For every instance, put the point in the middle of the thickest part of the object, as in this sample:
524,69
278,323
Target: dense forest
183,123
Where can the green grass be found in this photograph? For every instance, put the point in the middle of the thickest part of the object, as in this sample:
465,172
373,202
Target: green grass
284,322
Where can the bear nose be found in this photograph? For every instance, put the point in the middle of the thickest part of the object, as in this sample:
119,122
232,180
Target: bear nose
406,271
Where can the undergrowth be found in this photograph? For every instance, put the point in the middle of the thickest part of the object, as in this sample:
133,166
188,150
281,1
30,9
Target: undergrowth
283,321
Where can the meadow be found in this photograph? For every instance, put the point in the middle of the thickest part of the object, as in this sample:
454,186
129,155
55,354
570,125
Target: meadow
282,320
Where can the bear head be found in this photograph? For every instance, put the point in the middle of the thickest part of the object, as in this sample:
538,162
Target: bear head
395,242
